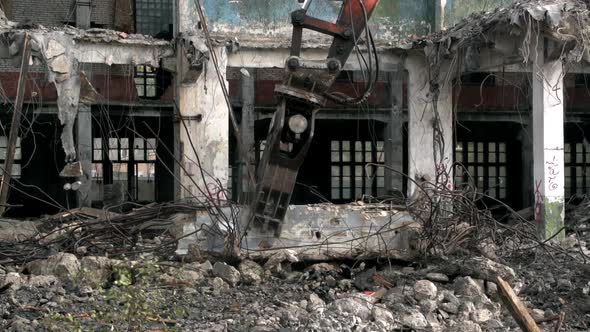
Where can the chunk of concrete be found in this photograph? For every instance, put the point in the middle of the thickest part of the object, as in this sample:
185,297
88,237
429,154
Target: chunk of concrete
251,272
354,306
96,271
62,265
425,290
60,64
226,272
54,49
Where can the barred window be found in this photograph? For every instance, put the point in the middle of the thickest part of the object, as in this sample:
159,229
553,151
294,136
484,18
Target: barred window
484,166
16,166
350,176
153,17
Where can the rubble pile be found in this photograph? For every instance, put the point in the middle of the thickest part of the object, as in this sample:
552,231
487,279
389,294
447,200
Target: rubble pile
81,275
98,293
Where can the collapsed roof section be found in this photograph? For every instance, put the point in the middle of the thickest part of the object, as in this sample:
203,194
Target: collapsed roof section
513,31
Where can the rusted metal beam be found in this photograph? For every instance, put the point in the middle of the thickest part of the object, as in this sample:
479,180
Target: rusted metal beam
14,127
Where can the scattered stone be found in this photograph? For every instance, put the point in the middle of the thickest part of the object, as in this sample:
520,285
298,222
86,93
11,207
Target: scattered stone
62,265
190,277
466,286
450,308
14,280
251,272
428,306
414,319
481,316
465,326
564,285
95,271
437,277
491,289
480,268
537,314
226,272
218,283
331,282
425,290
354,306
364,280
42,281
315,304
383,317
206,267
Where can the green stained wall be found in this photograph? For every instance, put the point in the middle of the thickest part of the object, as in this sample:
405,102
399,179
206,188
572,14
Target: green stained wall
393,20
456,10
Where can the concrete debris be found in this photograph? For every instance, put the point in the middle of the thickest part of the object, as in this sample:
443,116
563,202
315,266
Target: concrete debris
62,265
251,272
226,272
300,299
424,290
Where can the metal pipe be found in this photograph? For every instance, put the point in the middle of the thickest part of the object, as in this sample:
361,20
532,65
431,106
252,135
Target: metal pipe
306,4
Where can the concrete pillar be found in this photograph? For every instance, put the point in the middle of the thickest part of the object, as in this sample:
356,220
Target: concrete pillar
394,136
428,158
84,140
247,136
83,11
525,137
548,158
203,109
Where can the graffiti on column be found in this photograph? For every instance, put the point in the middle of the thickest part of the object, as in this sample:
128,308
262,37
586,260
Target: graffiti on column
553,172
443,176
539,202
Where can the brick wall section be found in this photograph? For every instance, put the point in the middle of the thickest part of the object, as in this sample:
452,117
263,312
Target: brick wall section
57,12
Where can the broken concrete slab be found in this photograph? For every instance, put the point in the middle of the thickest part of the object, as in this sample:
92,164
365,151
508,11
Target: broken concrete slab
318,232
54,49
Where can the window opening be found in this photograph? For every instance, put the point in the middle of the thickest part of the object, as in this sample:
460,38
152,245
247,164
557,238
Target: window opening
145,81
577,169
483,165
350,178
16,166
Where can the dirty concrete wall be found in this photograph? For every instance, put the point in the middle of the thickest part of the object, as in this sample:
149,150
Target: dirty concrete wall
204,111
59,12
393,20
456,10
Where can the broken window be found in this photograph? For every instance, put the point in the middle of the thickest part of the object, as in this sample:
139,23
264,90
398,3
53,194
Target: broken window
16,166
351,178
154,18
577,169
144,155
127,163
145,81
483,165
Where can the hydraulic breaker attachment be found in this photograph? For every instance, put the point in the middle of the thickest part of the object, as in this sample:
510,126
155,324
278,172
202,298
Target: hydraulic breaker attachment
303,92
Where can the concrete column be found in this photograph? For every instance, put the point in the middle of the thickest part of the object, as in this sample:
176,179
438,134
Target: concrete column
394,136
83,12
428,158
203,109
548,158
247,136
84,140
